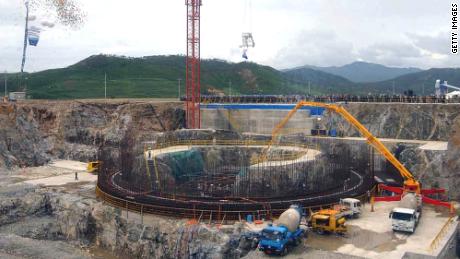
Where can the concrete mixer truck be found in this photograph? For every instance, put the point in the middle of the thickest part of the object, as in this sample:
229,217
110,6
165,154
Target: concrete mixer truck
286,233
406,216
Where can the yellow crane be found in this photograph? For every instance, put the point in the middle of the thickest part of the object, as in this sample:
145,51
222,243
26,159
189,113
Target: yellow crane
410,183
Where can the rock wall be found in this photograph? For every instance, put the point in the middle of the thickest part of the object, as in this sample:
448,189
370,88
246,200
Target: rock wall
65,223
385,120
34,132
400,120
451,163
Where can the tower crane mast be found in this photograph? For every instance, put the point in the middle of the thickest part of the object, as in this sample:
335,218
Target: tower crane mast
192,64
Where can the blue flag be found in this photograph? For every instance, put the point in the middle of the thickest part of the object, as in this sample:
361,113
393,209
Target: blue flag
33,35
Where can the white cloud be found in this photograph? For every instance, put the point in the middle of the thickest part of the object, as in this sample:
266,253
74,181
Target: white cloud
391,53
287,32
314,48
437,43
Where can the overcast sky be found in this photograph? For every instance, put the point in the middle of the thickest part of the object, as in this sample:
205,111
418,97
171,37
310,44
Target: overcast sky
288,33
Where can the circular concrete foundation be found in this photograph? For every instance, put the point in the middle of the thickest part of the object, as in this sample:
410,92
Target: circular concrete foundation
214,178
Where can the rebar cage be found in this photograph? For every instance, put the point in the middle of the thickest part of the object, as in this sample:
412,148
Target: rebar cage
195,174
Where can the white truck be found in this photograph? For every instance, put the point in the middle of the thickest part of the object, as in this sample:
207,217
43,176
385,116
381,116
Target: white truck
350,207
406,216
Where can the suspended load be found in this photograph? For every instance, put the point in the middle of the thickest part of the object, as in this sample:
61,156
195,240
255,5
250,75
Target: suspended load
245,56
246,36
247,42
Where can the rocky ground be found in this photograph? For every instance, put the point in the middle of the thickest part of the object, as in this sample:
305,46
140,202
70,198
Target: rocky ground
66,221
32,133
401,120
452,161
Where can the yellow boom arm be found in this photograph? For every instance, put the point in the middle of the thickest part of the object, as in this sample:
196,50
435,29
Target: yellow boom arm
410,181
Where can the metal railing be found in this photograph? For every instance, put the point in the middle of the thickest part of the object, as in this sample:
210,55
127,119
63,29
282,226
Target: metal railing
212,215
326,98
441,234
247,143
219,142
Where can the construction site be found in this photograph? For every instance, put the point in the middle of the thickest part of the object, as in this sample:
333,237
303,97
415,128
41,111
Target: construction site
159,190
227,175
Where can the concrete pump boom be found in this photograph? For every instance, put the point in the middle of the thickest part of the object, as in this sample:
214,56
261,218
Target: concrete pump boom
410,183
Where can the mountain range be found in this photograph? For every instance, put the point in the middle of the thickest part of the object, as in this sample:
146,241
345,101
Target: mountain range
363,72
158,77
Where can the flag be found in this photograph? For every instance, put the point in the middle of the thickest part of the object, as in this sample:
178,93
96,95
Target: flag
33,34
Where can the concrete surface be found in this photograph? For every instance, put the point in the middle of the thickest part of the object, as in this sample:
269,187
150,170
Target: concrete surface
309,154
69,164
435,145
64,179
255,120
371,235
66,176
424,144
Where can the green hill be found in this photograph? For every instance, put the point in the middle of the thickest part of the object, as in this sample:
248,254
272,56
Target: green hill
421,82
157,77
325,83
154,76
365,72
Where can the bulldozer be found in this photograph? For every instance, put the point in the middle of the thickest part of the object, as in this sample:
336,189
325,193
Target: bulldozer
328,221
93,167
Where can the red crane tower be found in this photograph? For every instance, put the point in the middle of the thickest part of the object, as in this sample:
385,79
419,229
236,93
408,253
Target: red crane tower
192,64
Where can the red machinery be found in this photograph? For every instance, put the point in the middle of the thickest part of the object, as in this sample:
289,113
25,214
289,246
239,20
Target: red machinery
192,74
410,183
400,191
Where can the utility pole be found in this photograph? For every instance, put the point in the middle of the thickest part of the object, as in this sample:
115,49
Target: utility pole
394,93
105,86
178,88
6,83
309,88
423,89
230,87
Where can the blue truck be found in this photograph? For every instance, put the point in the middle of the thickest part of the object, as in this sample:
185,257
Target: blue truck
279,238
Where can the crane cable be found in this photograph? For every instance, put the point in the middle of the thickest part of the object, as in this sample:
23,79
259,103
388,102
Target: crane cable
246,36
247,16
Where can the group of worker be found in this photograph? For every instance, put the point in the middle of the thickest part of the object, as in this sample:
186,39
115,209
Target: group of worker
380,98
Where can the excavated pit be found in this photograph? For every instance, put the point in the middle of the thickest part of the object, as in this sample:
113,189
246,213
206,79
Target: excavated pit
222,174
64,218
